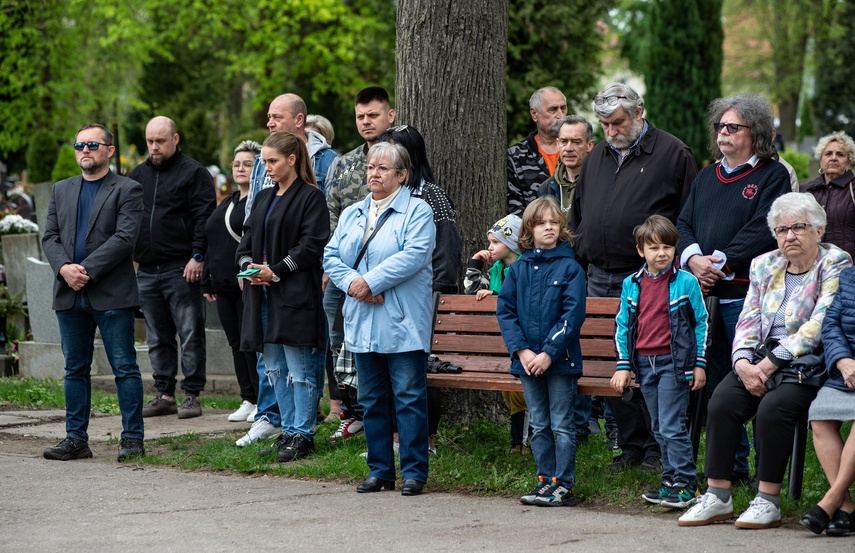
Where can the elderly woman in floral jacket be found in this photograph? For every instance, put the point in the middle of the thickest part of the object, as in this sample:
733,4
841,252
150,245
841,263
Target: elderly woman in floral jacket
789,292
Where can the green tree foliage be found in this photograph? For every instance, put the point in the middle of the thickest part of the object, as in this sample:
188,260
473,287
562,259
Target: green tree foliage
683,68
66,164
552,43
833,102
41,156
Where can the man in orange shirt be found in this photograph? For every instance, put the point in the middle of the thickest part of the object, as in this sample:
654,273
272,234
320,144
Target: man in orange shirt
533,160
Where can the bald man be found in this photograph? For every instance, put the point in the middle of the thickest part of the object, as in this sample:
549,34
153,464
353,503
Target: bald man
178,195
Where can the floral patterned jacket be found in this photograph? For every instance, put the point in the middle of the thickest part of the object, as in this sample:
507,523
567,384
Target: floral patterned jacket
807,305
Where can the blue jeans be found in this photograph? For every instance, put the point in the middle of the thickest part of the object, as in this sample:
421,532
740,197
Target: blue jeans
293,374
668,399
77,329
171,304
550,400
393,386
581,414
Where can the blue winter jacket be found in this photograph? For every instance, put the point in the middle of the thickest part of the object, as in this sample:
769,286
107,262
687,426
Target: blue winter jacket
687,314
397,265
838,329
542,307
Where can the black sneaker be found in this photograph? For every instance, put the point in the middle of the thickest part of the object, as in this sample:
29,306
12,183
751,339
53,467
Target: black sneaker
190,407
555,495
130,448
69,449
681,496
651,464
281,441
622,462
159,407
299,446
542,484
656,496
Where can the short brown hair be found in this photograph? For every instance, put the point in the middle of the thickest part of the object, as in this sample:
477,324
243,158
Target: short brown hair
534,214
656,230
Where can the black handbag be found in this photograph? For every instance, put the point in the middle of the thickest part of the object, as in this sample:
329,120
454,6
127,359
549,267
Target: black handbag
807,370
338,321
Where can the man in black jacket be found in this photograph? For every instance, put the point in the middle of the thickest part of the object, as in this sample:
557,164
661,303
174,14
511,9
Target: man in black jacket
636,172
178,198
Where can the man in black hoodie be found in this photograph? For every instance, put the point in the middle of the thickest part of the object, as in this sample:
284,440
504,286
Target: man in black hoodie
178,198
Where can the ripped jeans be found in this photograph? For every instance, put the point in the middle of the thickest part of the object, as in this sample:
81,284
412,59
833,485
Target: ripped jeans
293,373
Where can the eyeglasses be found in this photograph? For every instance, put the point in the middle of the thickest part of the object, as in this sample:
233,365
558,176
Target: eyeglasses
732,128
610,100
382,169
91,145
798,229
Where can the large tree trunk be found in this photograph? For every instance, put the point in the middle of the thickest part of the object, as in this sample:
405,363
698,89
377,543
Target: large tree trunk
450,64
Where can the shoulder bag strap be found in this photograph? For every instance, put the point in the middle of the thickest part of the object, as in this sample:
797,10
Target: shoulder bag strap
228,216
365,246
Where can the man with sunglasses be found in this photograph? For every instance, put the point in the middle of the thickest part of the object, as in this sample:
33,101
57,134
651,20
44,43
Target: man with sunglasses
532,160
92,225
723,224
178,198
636,172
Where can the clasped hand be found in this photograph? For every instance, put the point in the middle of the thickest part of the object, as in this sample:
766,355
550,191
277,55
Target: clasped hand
752,376
75,276
360,291
534,364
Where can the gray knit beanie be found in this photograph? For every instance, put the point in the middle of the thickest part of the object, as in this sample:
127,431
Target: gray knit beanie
507,231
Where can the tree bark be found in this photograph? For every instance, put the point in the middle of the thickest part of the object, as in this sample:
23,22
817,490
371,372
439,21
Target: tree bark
450,85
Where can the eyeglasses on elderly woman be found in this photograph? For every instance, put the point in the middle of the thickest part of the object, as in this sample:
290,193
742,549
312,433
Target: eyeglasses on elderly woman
798,229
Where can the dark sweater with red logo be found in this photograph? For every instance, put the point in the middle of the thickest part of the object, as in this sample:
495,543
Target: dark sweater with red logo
727,212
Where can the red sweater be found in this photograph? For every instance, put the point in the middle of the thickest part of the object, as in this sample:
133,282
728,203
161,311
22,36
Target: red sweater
654,329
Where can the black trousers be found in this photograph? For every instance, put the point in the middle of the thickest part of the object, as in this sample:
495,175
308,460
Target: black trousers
230,311
775,413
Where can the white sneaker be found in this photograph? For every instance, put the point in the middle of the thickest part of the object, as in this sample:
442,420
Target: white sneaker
761,513
242,412
260,430
251,416
708,509
347,429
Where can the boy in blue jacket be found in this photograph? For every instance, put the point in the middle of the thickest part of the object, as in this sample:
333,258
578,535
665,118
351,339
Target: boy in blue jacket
662,337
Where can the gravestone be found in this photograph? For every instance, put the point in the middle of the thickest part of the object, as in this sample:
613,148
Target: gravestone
40,278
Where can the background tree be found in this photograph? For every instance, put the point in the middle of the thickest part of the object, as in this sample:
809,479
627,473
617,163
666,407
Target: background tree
683,68
450,85
833,103
557,43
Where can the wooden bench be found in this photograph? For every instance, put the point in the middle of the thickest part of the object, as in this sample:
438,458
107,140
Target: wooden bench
466,333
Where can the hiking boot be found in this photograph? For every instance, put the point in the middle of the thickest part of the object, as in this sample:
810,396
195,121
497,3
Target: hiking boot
277,446
299,446
622,462
69,449
347,429
130,448
158,407
681,496
656,496
542,484
260,430
761,513
190,407
556,495
243,412
612,435
706,510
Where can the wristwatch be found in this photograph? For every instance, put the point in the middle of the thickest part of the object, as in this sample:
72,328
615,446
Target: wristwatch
198,257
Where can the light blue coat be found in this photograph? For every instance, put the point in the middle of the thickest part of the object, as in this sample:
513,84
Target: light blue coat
397,265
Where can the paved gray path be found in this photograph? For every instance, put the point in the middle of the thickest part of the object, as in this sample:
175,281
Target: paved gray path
99,505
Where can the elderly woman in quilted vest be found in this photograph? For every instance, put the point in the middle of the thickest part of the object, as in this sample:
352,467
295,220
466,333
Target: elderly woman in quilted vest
789,292
834,405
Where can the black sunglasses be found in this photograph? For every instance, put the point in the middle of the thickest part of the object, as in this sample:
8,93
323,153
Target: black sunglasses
91,145
732,128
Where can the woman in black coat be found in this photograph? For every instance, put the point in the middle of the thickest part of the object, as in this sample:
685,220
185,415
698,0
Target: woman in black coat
219,284
284,240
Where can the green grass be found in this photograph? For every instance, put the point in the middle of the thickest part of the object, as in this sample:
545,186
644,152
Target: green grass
472,459
30,393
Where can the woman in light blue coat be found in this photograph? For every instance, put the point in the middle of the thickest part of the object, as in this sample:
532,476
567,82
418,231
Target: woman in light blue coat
388,314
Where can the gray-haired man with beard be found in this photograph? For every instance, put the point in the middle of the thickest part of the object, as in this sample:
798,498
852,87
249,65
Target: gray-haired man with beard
636,172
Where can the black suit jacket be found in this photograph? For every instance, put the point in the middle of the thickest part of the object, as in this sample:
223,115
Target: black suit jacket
113,228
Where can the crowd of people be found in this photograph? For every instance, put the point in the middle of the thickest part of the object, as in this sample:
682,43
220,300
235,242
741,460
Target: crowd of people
323,267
